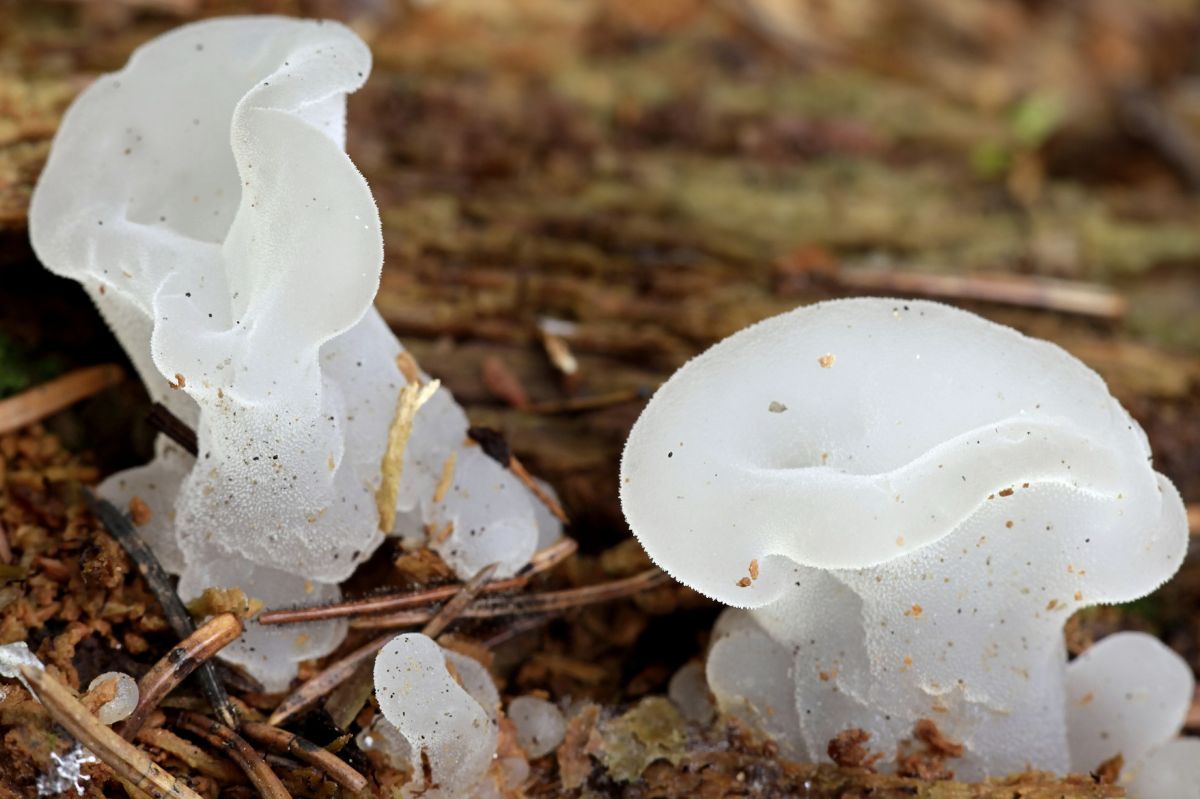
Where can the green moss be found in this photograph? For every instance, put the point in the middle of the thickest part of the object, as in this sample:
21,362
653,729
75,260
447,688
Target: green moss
652,730
20,369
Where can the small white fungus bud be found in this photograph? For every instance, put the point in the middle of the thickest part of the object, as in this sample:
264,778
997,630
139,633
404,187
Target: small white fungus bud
688,689
120,706
540,725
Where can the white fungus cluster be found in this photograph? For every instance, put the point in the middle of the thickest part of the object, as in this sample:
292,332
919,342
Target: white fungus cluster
911,501
203,198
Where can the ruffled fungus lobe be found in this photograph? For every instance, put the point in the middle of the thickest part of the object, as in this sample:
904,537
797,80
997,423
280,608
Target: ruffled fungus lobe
913,501
449,724
203,198
1129,695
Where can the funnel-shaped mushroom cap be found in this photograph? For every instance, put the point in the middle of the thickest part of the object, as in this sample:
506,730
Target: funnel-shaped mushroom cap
203,197
847,434
205,184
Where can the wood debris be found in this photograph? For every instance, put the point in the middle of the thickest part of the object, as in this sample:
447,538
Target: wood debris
127,761
35,404
191,653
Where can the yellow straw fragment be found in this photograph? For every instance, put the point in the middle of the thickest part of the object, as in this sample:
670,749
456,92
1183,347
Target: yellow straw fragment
411,398
443,485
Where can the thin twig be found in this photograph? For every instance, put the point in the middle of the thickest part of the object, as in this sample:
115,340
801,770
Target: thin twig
542,560
119,526
191,754
458,603
560,355
174,667
6,553
796,51
521,605
53,474
589,403
1145,116
126,760
240,752
516,628
344,703
334,675
174,428
1025,291
518,468
35,404
496,447
302,749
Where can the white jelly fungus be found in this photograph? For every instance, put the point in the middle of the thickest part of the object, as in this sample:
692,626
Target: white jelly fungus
540,725
688,689
912,501
1128,695
123,703
450,723
203,197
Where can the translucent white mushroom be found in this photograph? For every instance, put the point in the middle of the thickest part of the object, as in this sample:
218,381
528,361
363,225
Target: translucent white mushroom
1172,771
120,706
688,689
750,674
913,501
157,485
540,725
203,198
487,514
550,529
269,652
442,720
1129,695
382,736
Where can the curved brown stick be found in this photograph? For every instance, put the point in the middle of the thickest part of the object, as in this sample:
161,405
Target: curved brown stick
337,673
302,749
594,402
239,751
221,770
542,560
35,404
171,426
174,667
545,602
127,761
333,676
1023,291
516,467
458,603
